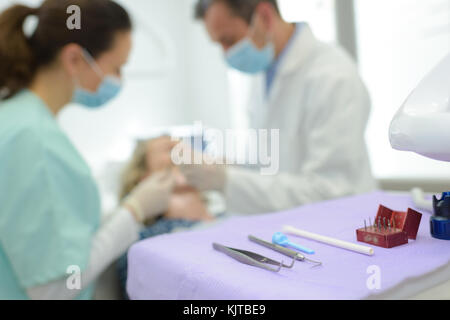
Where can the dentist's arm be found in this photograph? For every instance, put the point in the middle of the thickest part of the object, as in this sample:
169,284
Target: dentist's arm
336,160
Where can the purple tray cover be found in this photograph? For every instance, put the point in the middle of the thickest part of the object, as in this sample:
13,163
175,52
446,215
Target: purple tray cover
185,266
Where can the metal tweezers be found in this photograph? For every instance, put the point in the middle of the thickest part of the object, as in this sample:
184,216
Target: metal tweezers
287,252
251,258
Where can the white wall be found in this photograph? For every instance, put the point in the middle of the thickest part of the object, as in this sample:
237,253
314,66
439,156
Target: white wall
320,14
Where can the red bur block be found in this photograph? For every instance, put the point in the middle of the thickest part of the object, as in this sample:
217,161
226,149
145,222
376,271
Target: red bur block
412,223
385,239
406,226
387,213
407,221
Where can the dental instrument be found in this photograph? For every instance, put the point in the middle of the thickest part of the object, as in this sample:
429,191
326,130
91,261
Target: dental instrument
420,201
287,252
328,240
282,240
387,237
421,126
251,258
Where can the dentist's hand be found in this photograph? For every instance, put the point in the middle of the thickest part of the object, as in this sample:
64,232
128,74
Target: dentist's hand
205,176
151,197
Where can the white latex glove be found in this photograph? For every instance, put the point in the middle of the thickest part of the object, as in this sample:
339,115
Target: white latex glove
151,197
204,177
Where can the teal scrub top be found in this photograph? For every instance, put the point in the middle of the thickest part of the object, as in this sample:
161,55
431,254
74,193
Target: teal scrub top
49,202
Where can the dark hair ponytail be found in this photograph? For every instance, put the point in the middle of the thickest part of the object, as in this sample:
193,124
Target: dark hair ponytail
21,57
16,56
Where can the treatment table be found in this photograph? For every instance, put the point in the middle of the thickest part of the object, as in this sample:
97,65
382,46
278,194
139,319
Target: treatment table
185,266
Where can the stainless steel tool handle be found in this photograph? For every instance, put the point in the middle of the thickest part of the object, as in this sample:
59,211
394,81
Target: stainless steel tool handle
280,249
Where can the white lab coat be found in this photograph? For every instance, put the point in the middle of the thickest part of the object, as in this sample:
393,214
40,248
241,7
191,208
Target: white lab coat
321,106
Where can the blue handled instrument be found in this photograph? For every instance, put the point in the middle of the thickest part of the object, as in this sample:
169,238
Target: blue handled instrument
282,240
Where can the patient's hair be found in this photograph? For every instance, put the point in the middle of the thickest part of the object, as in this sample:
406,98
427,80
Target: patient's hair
134,171
241,8
21,57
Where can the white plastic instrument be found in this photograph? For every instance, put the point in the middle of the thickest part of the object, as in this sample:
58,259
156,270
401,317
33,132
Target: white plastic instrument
422,125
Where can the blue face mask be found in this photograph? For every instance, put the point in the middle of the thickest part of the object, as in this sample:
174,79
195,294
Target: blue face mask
246,57
108,89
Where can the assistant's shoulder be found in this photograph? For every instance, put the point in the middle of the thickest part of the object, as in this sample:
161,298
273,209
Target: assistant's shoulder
24,119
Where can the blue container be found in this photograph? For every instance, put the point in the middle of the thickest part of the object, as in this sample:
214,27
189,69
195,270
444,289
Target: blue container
440,222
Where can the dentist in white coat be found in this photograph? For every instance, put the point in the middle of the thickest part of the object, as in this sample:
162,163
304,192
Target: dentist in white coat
308,90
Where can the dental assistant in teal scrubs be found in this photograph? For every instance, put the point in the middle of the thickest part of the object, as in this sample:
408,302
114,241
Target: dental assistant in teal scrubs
49,202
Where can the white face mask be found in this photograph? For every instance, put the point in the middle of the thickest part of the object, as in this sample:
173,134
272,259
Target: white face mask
422,125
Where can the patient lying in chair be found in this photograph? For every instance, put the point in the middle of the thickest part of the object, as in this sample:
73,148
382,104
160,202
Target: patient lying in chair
187,206
152,156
